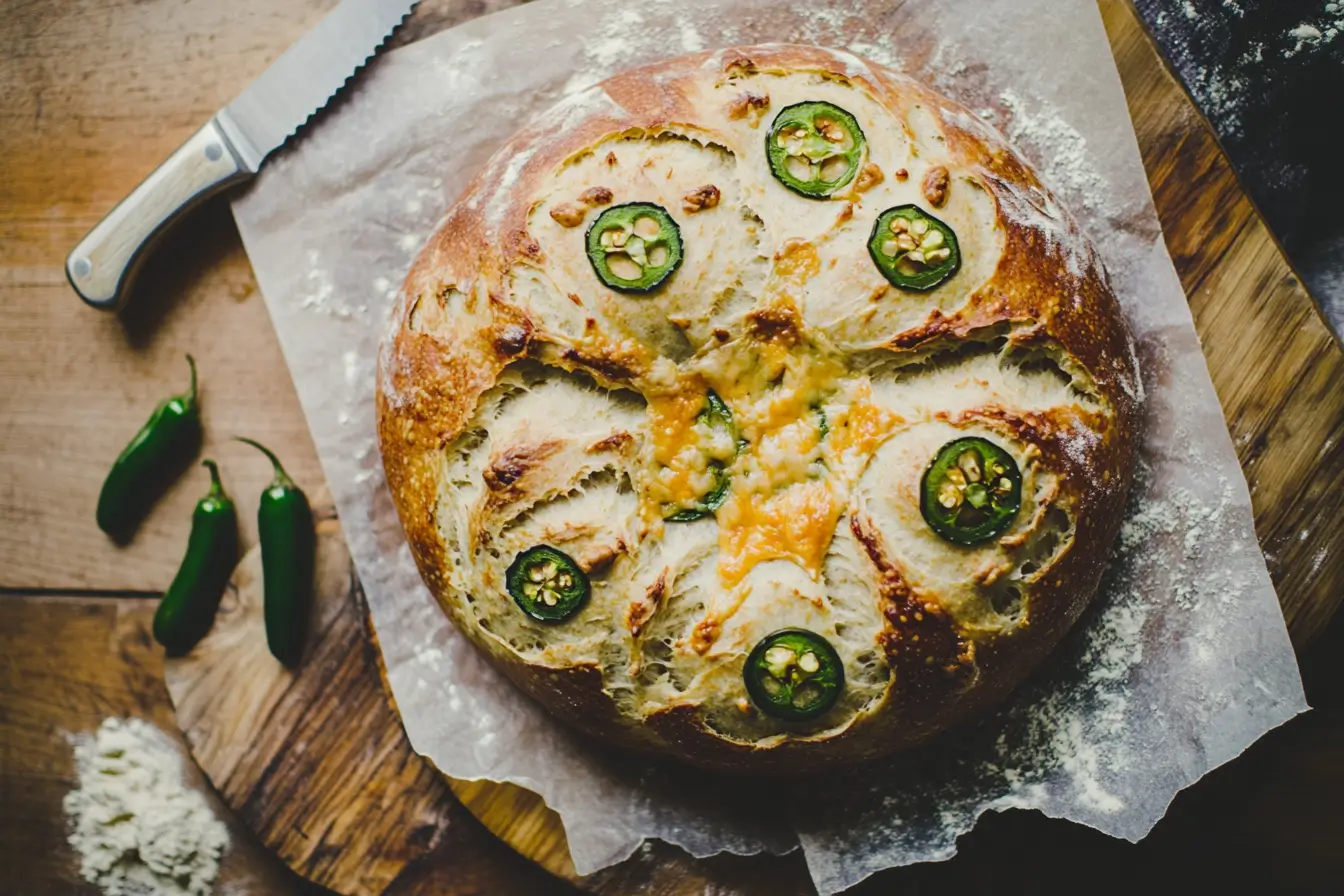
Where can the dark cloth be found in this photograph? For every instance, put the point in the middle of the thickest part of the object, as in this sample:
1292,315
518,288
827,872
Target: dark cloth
1269,76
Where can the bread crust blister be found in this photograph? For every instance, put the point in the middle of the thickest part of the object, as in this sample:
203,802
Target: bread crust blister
522,401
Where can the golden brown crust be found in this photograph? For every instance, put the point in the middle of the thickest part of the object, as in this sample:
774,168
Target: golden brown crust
457,328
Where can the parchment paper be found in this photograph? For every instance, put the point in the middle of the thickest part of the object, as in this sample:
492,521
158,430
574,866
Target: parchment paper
1183,662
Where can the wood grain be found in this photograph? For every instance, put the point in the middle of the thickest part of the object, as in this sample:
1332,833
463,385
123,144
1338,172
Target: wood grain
95,93
315,761
68,663
1268,822
316,764
1275,364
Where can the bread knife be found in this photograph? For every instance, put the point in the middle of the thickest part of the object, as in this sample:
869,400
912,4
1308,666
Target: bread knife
232,145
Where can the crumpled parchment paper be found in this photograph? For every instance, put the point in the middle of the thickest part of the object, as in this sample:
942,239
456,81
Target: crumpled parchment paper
1183,662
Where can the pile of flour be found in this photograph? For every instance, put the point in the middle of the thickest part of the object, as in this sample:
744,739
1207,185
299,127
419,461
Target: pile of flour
138,830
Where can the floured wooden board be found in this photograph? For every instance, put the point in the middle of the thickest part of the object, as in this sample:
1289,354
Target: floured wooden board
1272,360
315,763
75,659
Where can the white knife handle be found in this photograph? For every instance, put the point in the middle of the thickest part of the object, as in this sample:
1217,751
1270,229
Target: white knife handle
104,263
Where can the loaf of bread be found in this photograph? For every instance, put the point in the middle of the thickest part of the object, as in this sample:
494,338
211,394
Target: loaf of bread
760,408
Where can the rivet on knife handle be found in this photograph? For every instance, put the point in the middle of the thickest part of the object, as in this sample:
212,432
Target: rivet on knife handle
104,263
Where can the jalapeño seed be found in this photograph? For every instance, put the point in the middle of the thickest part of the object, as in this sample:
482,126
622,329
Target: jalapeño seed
957,505
634,247
794,674
815,148
927,254
547,584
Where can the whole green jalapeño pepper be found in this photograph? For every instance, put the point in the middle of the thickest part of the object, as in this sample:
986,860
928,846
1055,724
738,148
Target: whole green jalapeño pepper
913,249
971,492
634,247
815,148
715,416
288,546
794,674
154,457
188,607
547,584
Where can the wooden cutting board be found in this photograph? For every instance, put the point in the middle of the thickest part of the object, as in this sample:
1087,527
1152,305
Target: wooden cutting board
317,764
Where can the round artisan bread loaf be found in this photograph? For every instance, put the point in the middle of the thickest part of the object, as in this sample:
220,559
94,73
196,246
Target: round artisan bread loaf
760,408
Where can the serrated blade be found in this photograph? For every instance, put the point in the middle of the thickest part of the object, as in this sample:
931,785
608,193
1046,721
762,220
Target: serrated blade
307,75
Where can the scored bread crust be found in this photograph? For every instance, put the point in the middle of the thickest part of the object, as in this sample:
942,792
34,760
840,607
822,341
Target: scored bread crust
930,634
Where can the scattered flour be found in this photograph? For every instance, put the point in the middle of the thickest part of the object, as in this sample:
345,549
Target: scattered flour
137,829
880,50
1304,34
1081,443
321,291
515,169
322,288
580,81
612,46
1318,559
947,63
1190,11
691,41
1154,518
1222,90
428,656
1057,147
350,360
1081,731
1307,36
1071,743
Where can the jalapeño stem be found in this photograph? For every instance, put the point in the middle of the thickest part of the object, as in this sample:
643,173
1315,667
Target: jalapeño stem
288,557
156,455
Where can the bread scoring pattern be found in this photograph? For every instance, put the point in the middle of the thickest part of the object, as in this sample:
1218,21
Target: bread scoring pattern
702,332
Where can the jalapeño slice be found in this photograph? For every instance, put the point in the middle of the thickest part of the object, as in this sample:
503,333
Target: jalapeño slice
634,247
971,492
814,148
794,674
714,415
547,584
913,249
823,425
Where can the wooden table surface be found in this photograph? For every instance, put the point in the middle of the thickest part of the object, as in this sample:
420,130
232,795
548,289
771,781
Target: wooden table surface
93,93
